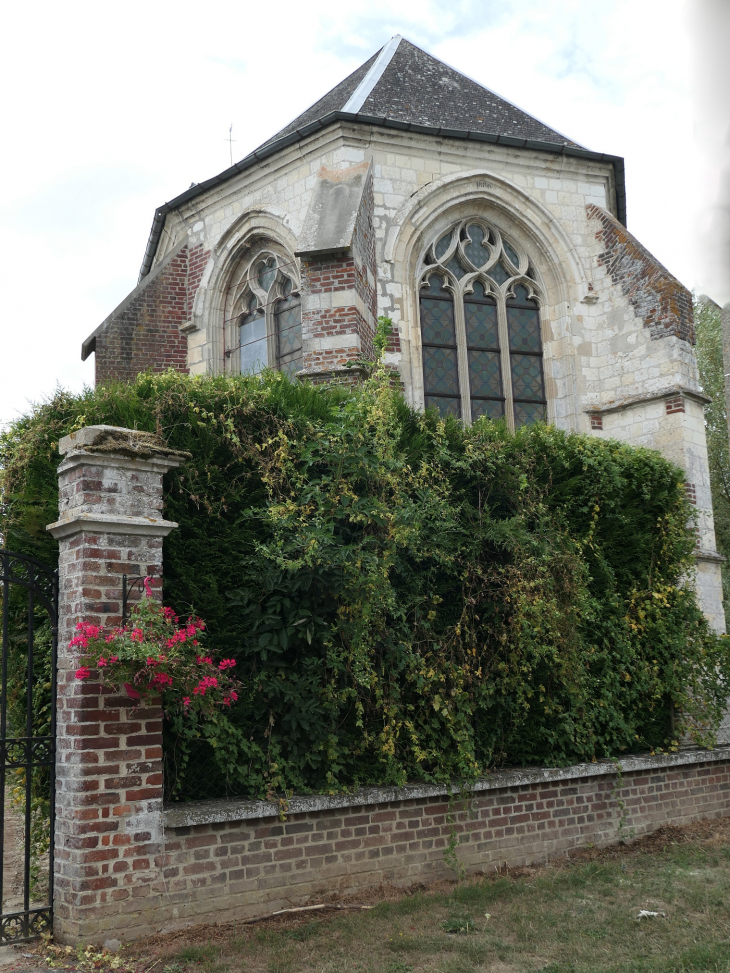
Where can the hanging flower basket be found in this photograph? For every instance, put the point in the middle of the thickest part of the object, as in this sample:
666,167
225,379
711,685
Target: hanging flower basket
154,656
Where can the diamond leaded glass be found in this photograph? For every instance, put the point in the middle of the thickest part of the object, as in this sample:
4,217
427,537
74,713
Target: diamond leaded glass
527,377
440,371
528,412
454,265
481,324
266,273
288,319
499,273
447,407
437,321
485,373
491,408
442,245
511,253
524,329
482,329
475,248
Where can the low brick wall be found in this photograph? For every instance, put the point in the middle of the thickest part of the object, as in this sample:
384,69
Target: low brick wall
226,859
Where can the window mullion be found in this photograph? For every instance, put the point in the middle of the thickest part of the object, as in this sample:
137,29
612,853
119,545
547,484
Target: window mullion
462,356
505,361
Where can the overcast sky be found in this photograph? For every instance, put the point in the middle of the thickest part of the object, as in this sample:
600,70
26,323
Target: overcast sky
111,109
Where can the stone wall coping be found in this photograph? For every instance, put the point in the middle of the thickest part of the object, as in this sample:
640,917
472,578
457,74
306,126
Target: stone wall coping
667,393
119,461
116,440
185,815
110,524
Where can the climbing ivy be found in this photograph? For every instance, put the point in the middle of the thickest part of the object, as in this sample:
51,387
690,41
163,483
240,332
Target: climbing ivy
406,598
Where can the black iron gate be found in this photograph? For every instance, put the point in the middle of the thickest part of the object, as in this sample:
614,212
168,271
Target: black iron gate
29,602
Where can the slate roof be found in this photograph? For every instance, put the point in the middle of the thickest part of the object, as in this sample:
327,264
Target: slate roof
417,88
405,88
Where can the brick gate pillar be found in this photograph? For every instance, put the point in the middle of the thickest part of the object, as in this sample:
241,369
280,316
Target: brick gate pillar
108,837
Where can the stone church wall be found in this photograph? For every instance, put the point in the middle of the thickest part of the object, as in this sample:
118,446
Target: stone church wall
617,327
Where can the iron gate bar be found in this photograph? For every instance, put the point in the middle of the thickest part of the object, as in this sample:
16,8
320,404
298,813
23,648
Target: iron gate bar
28,752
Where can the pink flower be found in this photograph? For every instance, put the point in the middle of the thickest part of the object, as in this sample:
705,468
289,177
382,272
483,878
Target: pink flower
83,672
131,691
186,701
203,659
162,679
137,635
233,695
207,682
151,661
79,640
169,614
113,658
102,662
227,664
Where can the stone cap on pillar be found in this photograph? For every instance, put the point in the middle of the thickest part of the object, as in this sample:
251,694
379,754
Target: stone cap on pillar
116,482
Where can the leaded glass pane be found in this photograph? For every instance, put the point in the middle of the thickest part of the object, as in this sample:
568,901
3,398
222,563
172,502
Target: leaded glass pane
437,321
288,319
485,374
524,329
254,353
442,245
435,285
266,273
528,412
481,325
521,294
474,249
511,253
491,408
440,371
527,377
447,407
454,265
499,273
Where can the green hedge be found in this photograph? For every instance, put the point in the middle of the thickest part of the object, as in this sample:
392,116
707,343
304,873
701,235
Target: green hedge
407,599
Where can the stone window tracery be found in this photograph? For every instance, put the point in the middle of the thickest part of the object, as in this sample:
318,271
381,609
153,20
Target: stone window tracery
480,327
264,313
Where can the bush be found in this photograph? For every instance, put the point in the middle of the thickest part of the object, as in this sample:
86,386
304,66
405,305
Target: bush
406,599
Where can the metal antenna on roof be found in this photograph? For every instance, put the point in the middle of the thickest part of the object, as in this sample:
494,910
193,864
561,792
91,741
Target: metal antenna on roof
231,141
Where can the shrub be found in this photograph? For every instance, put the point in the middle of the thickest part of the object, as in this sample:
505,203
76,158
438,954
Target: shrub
405,598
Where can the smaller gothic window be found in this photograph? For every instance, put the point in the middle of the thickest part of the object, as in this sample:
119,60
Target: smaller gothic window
269,315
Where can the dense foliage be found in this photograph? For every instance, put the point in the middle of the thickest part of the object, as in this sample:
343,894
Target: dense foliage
405,598
708,325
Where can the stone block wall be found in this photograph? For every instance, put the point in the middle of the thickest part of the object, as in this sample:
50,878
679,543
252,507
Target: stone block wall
237,859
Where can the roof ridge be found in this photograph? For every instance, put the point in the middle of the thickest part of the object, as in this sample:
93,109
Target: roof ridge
359,95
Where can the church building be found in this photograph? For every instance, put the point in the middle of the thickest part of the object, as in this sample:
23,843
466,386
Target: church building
497,246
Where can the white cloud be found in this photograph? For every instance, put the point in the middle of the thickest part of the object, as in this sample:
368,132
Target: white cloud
109,110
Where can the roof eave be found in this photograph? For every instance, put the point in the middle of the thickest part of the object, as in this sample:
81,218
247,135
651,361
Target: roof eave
277,145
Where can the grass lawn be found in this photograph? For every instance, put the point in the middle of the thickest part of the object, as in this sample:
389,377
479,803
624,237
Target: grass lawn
571,916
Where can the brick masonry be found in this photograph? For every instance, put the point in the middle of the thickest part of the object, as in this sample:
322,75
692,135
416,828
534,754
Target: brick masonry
109,749
339,300
658,298
241,863
144,333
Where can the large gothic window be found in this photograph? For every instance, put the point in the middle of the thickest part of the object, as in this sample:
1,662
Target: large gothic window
264,314
480,327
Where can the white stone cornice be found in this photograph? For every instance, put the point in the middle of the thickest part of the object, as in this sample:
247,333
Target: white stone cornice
83,521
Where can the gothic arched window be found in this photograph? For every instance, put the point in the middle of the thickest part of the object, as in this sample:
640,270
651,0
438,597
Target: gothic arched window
264,306
480,327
